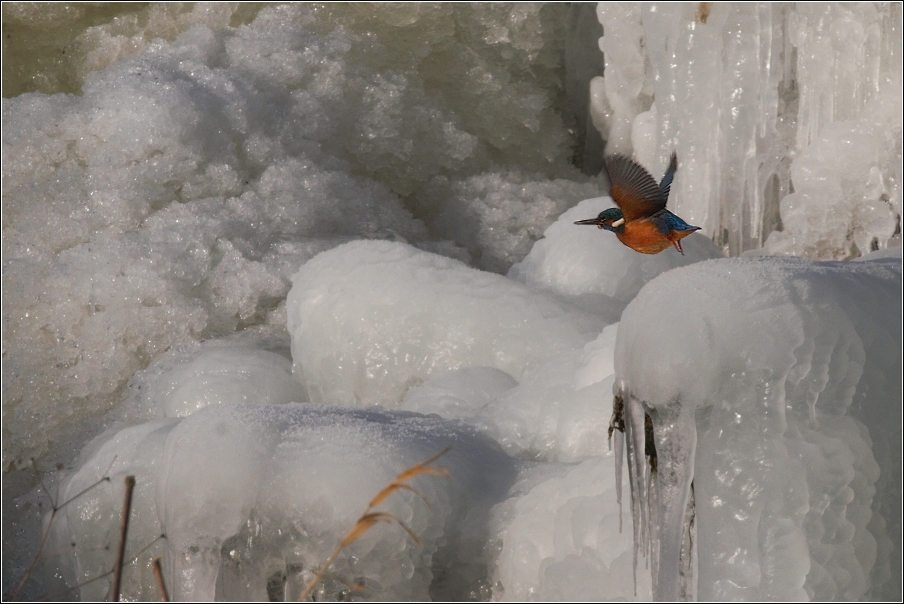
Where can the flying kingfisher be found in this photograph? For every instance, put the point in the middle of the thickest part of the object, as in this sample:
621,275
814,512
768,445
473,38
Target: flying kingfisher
641,221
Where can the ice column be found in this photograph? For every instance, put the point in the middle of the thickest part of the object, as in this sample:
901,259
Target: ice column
675,435
661,447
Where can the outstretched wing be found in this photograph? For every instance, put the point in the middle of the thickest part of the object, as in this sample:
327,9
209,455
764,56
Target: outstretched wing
633,189
666,182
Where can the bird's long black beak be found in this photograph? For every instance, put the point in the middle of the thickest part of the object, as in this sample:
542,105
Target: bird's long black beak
593,221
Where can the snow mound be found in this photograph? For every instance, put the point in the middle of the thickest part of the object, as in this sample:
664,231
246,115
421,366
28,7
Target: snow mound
371,319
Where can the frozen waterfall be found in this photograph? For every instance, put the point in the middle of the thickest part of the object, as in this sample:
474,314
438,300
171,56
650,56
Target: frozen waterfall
264,257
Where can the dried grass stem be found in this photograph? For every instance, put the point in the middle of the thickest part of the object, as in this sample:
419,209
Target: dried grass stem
370,517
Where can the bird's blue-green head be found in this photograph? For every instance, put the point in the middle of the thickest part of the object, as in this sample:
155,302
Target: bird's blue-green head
611,219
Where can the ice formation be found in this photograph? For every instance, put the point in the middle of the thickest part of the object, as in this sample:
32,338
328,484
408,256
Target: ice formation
459,393
233,375
87,528
253,499
786,118
172,171
560,412
370,319
561,540
774,386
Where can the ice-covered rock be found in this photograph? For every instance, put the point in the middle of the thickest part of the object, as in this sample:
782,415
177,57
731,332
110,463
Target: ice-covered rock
773,385
371,319
86,531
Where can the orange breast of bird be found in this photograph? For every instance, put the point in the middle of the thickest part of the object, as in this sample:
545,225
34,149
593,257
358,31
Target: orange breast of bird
644,236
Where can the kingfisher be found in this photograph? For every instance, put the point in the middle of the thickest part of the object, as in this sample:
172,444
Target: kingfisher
641,221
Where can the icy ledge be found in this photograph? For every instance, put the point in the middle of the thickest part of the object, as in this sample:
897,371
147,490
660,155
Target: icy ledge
252,499
773,389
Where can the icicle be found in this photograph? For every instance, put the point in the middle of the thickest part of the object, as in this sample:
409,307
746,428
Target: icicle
617,425
652,499
637,464
742,91
660,450
675,434
619,460
687,587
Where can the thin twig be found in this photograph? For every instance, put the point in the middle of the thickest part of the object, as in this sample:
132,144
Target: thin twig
123,533
82,492
144,549
37,557
161,584
56,595
53,511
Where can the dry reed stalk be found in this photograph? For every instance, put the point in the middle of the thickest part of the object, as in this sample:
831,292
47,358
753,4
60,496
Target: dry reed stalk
123,533
161,584
370,518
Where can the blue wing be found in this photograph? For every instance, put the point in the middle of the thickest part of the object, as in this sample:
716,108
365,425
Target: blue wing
667,222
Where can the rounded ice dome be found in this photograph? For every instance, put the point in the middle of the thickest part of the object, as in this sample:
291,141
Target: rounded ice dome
239,375
371,319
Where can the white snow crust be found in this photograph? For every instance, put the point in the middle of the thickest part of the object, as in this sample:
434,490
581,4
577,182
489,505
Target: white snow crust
172,199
